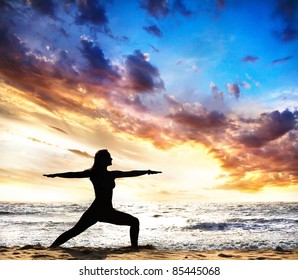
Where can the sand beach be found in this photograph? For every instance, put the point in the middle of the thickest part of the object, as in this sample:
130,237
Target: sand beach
37,252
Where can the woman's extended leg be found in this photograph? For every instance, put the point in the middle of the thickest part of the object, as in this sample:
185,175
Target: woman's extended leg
120,218
88,219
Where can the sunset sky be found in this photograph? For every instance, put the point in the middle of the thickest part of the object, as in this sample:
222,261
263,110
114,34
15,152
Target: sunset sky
205,91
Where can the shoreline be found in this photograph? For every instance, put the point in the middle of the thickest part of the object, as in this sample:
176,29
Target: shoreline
37,252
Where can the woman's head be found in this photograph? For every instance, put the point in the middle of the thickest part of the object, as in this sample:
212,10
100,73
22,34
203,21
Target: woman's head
102,159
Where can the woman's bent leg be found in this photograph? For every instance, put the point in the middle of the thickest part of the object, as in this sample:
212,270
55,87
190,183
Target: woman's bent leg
120,218
85,221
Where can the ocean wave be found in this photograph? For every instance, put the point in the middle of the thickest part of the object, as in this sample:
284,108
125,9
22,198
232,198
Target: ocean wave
262,220
243,224
7,213
207,226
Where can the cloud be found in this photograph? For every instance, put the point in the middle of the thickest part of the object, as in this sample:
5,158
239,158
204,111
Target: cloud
234,90
153,30
161,8
250,58
144,126
23,63
193,121
77,152
190,65
286,12
216,93
253,169
91,12
257,84
16,47
98,64
245,85
281,60
4,5
46,7
269,127
264,154
39,141
288,34
63,65
80,153
58,129
180,7
61,83
156,8
142,75
207,120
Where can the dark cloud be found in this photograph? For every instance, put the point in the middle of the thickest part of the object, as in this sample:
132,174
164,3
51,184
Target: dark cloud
46,7
5,5
271,126
10,42
286,12
153,30
63,32
20,63
180,7
199,122
99,65
194,116
30,70
250,58
287,34
156,8
91,12
161,8
234,90
143,76
281,60
13,53
58,129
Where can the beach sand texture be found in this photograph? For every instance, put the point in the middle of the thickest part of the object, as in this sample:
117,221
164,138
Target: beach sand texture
37,252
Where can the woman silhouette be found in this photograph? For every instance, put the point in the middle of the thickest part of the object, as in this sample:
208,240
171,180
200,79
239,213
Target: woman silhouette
101,210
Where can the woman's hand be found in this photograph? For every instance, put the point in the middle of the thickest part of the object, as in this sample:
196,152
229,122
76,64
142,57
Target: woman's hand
49,175
149,172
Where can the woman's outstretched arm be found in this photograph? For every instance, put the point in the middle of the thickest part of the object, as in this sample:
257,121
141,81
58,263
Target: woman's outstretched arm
80,174
133,173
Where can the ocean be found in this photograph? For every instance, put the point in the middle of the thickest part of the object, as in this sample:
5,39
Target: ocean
190,226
